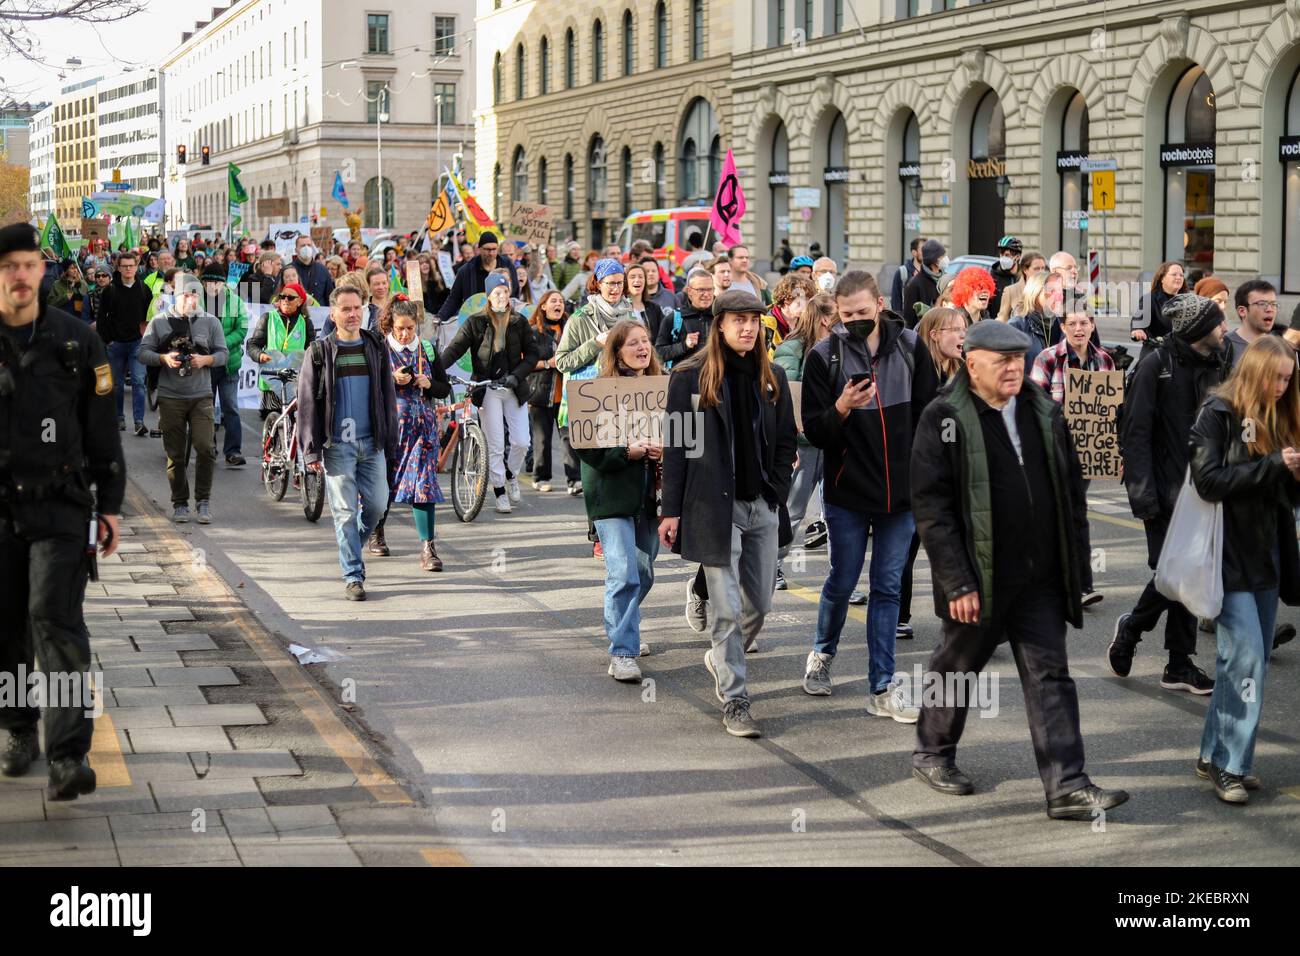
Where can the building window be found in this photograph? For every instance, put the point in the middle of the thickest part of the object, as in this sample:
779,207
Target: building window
660,189
376,33
376,101
837,16
1291,192
519,72
807,24
444,98
1072,235
597,190
1188,157
775,23
498,201
985,168
778,180
626,175
543,190
444,36
544,67
597,52
836,181
570,58
629,45
496,80
373,219
519,177
697,29
911,185
568,186
699,153
661,36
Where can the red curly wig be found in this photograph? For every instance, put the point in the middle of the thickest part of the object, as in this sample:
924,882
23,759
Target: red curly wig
970,281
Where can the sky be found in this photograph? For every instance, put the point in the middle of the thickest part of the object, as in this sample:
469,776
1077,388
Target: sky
104,49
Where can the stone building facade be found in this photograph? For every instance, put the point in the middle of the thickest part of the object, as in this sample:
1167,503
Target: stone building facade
600,109
918,119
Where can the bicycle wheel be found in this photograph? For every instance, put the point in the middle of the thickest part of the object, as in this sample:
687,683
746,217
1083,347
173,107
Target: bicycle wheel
469,473
276,463
313,494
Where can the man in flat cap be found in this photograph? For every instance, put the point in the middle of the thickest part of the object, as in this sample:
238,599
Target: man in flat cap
998,498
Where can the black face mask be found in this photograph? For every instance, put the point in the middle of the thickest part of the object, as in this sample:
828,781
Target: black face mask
860,329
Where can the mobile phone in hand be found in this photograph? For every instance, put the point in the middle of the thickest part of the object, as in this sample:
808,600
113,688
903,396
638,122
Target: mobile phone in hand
860,377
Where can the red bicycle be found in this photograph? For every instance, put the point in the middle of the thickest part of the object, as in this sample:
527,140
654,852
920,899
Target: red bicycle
281,457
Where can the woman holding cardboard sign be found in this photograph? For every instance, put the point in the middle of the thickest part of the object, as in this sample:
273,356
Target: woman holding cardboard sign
619,488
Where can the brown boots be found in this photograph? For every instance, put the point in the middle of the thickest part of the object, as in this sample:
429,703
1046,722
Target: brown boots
429,560
377,544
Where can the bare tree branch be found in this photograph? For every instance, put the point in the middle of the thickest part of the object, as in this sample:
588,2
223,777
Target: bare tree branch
18,16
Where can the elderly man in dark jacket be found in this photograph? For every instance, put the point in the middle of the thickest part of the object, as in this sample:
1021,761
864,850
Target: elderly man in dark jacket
1005,565
1160,405
347,428
725,481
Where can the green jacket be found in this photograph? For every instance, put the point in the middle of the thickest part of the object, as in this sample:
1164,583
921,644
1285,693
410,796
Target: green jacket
234,323
62,293
613,486
562,272
789,355
952,503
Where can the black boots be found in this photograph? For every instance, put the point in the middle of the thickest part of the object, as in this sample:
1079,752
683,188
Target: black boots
70,778
22,749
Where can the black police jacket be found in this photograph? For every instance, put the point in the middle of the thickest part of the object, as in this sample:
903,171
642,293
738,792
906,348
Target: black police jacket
58,420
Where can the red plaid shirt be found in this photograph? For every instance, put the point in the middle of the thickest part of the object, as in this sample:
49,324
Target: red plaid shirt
1049,368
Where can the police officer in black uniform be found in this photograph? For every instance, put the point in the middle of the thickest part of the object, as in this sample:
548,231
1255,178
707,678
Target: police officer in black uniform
58,439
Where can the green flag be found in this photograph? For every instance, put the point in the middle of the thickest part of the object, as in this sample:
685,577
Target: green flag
52,238
128,235
395,286
238,194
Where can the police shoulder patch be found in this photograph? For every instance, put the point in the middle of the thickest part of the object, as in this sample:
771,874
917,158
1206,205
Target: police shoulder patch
103,379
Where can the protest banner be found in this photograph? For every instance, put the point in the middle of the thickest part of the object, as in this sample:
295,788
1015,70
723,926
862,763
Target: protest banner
1092,401
612,412
530,222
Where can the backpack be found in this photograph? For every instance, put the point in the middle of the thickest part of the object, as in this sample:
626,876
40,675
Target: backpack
908,358
1164,373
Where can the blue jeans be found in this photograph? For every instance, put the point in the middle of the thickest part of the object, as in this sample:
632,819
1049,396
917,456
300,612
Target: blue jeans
226,386
124,358
1245,639
848,532
631,545
356,484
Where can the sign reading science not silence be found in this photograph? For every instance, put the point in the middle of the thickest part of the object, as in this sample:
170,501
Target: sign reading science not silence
614,412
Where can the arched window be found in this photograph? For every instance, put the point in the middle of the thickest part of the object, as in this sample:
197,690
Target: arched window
519,177
372,219
629,45
1188,156
1291,192
496,80
778,179
626,176
1073,234
543,190
699,151
519,72
568,186
498,200
544,67
661,36
597,52
987,174
570,56
661,189
697,29
835,177
597,190
911,184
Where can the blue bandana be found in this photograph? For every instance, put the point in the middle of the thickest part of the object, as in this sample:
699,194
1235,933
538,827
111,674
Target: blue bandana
608,267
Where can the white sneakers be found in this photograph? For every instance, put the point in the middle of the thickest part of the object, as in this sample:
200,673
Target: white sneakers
624,669
512,489
543,486
503,505
893,702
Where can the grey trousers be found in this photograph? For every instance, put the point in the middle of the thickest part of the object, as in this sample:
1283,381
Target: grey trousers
740,594
807,476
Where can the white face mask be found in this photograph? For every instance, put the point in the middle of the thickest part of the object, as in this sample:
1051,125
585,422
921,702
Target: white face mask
942,263
306,254
826,281
1005,263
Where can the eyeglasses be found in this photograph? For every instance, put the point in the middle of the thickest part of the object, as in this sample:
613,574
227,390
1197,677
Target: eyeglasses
700,290
1268,305
290,298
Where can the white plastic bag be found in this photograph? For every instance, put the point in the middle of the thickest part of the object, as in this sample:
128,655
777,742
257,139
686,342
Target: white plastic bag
1190,569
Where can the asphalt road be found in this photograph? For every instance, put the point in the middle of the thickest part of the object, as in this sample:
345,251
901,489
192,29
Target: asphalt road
486,686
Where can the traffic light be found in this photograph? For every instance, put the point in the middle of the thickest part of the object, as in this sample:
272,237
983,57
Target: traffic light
206,154
180,155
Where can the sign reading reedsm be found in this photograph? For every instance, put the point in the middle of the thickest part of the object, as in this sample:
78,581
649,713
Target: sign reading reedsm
1092,401
616,411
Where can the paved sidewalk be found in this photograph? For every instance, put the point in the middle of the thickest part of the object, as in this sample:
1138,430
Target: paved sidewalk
215,747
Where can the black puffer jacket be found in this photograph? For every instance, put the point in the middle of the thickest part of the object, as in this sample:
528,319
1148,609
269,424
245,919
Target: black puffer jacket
518,358
1258,494
1160,404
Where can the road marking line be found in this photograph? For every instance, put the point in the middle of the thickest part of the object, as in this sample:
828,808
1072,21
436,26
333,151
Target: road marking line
1122,522
106,754
301,689
1292,792
815,597
443,856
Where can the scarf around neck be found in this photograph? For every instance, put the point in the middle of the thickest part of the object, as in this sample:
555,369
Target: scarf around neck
608,314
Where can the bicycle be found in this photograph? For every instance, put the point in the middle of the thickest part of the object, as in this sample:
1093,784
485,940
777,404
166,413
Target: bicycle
281,457
466,447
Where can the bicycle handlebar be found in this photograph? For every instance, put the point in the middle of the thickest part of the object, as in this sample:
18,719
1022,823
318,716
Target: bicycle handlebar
283,374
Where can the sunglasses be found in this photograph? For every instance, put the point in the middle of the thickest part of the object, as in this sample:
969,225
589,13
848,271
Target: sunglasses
290,297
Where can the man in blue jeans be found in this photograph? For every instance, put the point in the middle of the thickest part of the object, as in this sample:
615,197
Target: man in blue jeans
864,387
347,428
229,309
124,309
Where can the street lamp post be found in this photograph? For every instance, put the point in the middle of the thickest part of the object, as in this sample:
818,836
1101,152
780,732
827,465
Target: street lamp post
381,117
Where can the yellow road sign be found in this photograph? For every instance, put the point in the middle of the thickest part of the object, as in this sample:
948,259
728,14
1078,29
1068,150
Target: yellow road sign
1103,190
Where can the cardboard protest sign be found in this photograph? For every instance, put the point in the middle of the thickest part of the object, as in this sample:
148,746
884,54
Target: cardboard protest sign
612,412
444,266
1092,401
531,222
414,283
